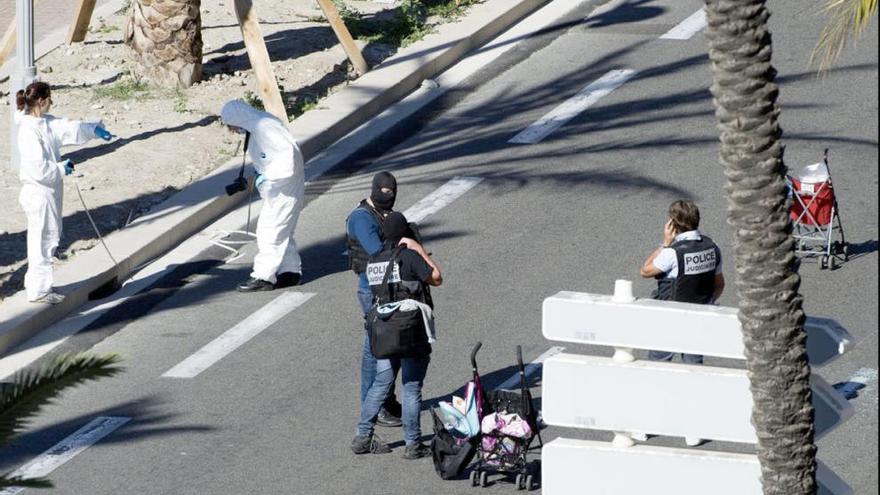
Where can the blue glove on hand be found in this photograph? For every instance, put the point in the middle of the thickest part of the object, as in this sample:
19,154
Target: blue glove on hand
258,179
103,133
68,167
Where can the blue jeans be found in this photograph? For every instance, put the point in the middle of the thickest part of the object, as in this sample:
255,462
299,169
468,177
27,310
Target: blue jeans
413,377
667,356
368,362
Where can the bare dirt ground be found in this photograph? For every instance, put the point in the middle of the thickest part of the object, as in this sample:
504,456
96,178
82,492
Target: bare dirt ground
166,138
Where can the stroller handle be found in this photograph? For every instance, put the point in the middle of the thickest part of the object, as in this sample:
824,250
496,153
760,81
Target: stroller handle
474,354
519,360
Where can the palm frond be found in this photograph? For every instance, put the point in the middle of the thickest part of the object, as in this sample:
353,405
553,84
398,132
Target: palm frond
848,18
31,390
19,482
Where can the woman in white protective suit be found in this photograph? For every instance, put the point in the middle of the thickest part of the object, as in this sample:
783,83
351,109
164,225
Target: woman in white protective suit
281,183
41,171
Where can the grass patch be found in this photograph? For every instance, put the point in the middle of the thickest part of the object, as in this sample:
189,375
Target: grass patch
253,100
180,101
408,23
127,88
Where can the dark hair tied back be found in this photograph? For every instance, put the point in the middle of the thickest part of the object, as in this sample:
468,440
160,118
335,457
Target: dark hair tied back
32,94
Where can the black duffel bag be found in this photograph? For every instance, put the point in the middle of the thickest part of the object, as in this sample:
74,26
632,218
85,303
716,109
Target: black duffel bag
395,333
450,455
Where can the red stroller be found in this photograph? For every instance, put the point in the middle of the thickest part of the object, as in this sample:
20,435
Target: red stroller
816,216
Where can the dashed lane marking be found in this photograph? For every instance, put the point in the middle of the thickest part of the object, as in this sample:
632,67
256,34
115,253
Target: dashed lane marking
572,107
530,368
238,335
67,449
687,28
440,198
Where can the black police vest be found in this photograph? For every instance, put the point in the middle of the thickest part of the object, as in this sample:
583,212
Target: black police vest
357,255
695,282
397,289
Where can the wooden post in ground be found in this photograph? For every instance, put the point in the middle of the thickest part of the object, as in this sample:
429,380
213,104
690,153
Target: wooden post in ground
344,36
7,42
80,25
267,86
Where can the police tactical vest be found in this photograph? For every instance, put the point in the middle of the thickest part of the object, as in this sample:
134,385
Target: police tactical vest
357,255
695,283
397,289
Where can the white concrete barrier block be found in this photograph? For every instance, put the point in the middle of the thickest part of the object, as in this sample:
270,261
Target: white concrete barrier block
662,398
670,326
578,467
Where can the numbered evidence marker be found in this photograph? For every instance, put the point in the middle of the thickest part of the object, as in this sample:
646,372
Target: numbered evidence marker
670,326
663,398
576,467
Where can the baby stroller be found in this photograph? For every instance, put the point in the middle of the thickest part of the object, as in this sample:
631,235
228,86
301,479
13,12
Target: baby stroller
816,216
508,425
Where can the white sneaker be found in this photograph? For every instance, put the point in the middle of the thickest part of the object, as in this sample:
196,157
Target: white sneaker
693,441
49,298
639,437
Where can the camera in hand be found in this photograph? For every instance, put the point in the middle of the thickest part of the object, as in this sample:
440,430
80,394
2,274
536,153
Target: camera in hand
238,185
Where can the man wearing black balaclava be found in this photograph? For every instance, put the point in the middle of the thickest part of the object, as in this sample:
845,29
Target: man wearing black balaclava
365,238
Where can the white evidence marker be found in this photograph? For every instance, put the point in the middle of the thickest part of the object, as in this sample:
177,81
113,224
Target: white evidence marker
513,380
440,198
67,449
687,28
572,107
238,335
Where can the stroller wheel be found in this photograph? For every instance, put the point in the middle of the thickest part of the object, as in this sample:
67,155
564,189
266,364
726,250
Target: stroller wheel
845,251
832,263
823,262
520,481
475,477
484,479
530,482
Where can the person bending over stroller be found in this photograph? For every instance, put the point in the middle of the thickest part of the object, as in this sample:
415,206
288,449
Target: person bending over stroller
415,271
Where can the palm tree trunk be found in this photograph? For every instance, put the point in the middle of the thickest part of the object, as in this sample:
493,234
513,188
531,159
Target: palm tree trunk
166,37
767,285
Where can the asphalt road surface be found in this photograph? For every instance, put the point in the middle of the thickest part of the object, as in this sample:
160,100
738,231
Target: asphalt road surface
574,211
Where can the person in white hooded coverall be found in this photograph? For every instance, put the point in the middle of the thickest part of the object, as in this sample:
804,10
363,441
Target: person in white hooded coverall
41,171
281,183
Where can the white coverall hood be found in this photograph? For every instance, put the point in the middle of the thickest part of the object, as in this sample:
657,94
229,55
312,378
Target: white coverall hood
272,149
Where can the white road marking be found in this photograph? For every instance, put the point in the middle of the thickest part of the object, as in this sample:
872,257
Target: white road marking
236,336
67,449
568,110
443,196
687,28
513,382
857,382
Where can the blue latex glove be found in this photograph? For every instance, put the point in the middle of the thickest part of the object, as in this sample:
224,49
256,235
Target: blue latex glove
103,133
258,179
68,167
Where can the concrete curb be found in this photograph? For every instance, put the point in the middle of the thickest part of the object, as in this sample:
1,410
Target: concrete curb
190,210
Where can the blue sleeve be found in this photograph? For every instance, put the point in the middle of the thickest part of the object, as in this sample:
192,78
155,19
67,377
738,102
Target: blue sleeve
363,227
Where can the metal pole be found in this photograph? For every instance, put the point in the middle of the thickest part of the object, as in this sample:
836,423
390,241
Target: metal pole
25,68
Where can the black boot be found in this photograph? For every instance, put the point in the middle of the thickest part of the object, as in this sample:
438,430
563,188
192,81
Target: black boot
255,285
287,279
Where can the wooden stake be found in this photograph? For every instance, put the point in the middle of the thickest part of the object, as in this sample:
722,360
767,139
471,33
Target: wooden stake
267,86
7,42
344,36
80,25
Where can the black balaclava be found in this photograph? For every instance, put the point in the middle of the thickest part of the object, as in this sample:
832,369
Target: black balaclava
394,227
383,201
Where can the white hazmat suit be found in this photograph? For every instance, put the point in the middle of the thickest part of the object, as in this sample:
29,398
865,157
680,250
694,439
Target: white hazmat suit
277,157
41,171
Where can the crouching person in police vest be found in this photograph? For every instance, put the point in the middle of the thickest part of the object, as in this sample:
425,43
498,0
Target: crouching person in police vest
687,266
399,277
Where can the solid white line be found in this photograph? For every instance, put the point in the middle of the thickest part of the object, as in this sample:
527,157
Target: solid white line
443,196
236,336
67,449
687,28
573,106
532,367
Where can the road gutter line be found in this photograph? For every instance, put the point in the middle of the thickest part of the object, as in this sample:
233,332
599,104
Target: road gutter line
67,449
238,335
687,28
572,107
